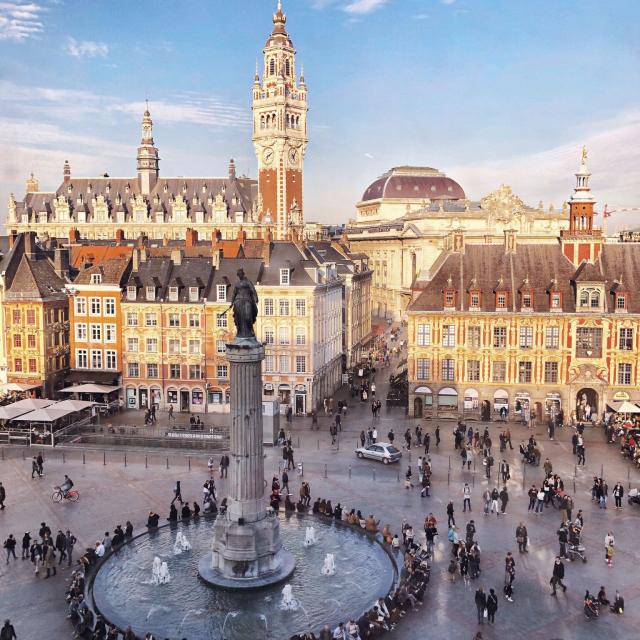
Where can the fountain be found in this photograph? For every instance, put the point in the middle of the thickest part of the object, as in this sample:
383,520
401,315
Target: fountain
160,572
310,537
181,544
329,567
288,603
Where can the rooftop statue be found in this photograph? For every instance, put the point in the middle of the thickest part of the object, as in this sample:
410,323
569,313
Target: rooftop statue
244,302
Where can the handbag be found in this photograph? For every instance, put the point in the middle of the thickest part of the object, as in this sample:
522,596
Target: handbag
486,612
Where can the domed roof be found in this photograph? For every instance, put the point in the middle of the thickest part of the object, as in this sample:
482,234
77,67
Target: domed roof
414,183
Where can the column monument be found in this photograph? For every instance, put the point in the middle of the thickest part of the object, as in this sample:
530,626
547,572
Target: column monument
246,547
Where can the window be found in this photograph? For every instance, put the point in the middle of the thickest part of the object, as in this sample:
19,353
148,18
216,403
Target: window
194,346
588,342
424,335
499,337
284,307
173,294
268,364
301,336
17,316
448,335
474,338
109,306
112,359
283,336
172,396
152,345
595,299
81,307
33,365
174,319
221,293
584,299
174,345
95,306
132,319
174,371
150,319
82,360
423,369
550,372
221,320
221,347
524,372
17,365
131,292
31,316
526,337
96,333
284,277
501,300
96,278
621,302
194,372
17,340
301,307
133,370
194,320
222,371
526,300
473,370
268,307
448,369
449,298
268,335
625,339
552,337
132,344
301,364
194,294
624,373
150,292
109,332
555,301
31,341
96,358
152,370
499,373
474,300
284,364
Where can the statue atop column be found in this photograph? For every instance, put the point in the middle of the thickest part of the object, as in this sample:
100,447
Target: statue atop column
244,301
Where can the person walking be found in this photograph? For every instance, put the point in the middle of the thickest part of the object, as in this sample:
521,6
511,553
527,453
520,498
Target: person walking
61,546
492,606
34,468
486,496
540,501
609,548
171,416
427,443
522,537
49,558
3,496
8,632
70,541
285,482
581,455
495,495
10,547
466,495
481,604
563,538
504,499
437,435
557,576
532,493
507,435
177,493
618,493
26,543
450,519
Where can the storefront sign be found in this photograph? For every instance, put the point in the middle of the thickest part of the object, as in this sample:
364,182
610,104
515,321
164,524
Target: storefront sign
621,396
187,435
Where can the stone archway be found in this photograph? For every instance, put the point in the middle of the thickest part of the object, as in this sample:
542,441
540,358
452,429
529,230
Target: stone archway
417,408
587,404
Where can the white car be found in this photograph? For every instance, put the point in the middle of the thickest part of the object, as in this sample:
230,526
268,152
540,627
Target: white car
380,451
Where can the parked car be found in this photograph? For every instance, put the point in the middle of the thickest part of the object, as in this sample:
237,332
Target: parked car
396,399
380,451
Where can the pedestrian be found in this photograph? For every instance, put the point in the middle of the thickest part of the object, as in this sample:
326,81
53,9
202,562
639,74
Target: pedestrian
224,465
8,632
574,442
34,468
486,496
509,575
374,435
495,495
10,547
618,492
492,606
177,493
3,496
488,462
49,559
505,472
581,455
314,419
363,438
466,493
450,519
285,482
540,501
522,537
427,443
26,543
504,498
563,538
70,541
437,435
558,575
609,548
507,435
171,416
481,604
61,545
532,493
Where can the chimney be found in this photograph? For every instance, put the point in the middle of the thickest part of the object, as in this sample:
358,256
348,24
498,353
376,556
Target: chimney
176,257
232,169
165,240
119,236
242,235
32,184
191,238
12,238
66,172
216,258
510,243
143,254
141,240
74,236
266,248
61,261
458,241
30,244
136,260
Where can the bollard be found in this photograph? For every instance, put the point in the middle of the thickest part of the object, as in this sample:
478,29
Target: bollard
448,477
473,480
2,452
602,471
189,459
349,471
104,457
338,443
398,476
374,475
325,470
575,470
83,459
146,462
318,445
125,458
449,462
63,457
298,442
574,486
167,462
23,454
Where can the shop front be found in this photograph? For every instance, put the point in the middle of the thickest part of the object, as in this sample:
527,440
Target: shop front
553,405
501,403
300,406
131,395
523,406
284,394
423,402
447,402
471,402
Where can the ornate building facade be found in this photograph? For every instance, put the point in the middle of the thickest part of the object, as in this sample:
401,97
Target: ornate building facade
407,217
534,327
105,207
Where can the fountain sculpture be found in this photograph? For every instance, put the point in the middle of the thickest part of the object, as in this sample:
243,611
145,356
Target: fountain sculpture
310,537
288,603
329,567
181,544
160,572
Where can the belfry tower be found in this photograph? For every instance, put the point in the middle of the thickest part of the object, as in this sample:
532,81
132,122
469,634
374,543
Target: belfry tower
147,158
280,132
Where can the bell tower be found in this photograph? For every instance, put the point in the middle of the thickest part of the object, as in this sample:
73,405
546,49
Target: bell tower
280,132
148,160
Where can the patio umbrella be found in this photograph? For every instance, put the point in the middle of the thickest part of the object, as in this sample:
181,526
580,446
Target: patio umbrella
628,407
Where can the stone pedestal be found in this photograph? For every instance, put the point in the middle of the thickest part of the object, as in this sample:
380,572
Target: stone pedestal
246,547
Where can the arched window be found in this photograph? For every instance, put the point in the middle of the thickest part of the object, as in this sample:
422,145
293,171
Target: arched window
584,299
262,122
287,67
272,67
595,299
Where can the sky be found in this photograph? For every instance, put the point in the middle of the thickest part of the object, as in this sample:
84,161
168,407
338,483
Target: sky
488,91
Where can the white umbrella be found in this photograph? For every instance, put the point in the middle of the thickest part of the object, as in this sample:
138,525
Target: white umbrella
628,407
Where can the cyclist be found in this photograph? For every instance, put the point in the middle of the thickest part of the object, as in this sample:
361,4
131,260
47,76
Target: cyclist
65,487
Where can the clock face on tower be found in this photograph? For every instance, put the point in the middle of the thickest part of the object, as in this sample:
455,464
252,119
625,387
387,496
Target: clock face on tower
267,155
293,156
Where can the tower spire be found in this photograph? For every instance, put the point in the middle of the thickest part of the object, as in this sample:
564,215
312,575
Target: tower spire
148,160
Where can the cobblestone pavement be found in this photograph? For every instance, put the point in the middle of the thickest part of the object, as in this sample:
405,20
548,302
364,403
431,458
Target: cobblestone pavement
111,493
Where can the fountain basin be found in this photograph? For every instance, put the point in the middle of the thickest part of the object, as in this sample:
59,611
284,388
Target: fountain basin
123,592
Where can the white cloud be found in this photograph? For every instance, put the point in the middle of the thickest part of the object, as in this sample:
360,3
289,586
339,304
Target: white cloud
86,48
362,7
368,155
19,21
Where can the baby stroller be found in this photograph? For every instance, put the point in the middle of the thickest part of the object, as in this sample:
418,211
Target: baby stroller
576,548
634,496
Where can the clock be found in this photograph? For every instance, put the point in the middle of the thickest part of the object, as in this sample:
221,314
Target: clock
293,156
267,155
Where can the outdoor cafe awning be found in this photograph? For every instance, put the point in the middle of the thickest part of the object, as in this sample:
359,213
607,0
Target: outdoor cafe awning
628,407
90,388
74,405
48,414
11,411
15,386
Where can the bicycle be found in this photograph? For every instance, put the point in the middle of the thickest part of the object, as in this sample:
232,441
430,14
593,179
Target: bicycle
58,495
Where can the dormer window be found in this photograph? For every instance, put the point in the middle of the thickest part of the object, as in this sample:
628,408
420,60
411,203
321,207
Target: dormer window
131,292
221,293
449,298
590,299
193,294
284,277
96,278
474,299
555,301
595,299
173,294
151,293
501,300
621,302
527,300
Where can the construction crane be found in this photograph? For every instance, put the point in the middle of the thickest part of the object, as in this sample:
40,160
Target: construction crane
606,213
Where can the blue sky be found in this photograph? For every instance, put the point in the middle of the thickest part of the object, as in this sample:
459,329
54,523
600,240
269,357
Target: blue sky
490,91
